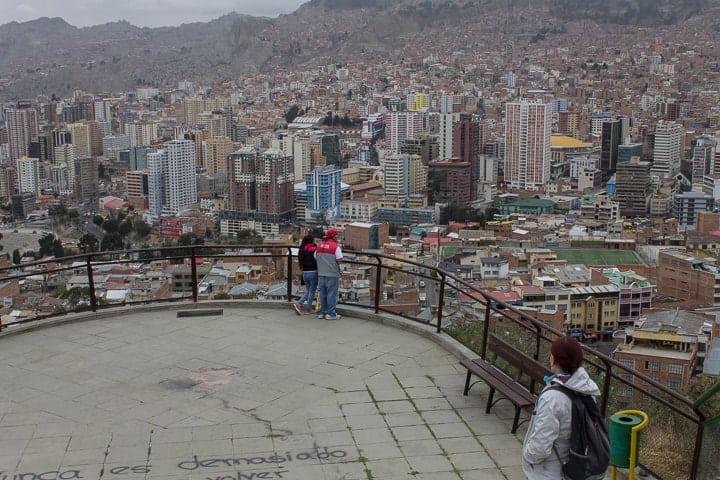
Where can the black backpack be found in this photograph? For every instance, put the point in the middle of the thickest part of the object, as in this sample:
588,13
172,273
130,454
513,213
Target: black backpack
589,440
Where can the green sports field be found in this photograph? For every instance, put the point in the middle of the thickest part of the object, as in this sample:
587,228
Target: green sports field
598,256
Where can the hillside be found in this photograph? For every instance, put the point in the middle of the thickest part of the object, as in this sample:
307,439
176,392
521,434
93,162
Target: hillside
49,55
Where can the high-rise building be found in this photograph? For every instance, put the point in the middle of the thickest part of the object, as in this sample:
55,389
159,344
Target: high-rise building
86,179
569,123
80,135
687,205
8,181
440,126
216,151
628,150
330,149
703,160
62,180
611,132
397,176
28,172
323,194
22,125
449,182
668,149
425,146
137,189
141,133
260,192
171,178
527,144
198,137
633,187
468,138
399,126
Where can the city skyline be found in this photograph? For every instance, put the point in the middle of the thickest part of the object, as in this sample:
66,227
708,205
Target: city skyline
152,13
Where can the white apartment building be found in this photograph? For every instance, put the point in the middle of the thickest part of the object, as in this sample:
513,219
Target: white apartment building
171,178
668,149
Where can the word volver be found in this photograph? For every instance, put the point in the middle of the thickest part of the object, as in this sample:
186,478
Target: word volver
320,454
249,476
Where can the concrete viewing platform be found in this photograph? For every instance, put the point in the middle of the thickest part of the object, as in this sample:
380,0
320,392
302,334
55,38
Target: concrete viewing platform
252,392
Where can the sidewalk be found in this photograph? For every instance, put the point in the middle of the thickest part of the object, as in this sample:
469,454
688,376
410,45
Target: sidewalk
253,393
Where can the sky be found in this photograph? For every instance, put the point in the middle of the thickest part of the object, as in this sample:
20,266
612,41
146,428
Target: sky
141,13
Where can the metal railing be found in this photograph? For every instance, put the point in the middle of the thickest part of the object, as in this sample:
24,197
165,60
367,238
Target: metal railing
458,308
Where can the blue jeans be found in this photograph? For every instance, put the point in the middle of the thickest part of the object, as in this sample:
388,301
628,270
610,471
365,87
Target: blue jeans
328,289
311,282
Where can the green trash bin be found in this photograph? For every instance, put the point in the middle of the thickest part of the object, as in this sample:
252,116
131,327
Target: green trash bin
621,425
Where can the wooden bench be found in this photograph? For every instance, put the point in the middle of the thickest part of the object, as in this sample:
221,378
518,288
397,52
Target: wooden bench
499,381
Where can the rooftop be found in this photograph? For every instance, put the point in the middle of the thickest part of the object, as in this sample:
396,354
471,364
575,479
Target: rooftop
253,389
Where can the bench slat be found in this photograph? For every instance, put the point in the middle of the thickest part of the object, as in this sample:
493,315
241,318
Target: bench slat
501,382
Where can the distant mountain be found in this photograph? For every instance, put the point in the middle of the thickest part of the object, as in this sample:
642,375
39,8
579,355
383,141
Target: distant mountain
50,56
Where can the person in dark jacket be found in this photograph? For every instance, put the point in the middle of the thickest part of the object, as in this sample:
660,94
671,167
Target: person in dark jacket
308,267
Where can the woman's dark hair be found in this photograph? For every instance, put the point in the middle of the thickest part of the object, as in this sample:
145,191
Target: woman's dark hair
307,239
567,353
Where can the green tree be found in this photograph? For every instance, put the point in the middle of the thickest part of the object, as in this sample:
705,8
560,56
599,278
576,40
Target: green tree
111,241
248,237
110,225
88,243
76,296
16,257
490,213
292,113
98,220
46,244
124,227
141,228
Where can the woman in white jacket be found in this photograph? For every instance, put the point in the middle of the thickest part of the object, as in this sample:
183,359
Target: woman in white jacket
548,436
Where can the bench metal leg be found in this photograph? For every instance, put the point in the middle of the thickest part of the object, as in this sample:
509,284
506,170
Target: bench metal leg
467,383
515,420
490,400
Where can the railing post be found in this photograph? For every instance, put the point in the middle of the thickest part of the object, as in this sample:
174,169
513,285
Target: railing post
193,272
606,388
441,300
696,451
486,330
378,276
91,283
289,275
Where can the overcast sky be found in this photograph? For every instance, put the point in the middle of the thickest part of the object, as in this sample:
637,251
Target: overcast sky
142,13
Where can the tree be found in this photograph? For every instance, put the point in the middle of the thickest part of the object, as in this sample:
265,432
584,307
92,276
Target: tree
292,113
110,225
142,229
490,213
98,220
88,243
16,257
46,244
248,237
124,227
111,241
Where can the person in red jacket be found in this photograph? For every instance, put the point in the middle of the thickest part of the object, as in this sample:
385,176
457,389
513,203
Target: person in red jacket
328,255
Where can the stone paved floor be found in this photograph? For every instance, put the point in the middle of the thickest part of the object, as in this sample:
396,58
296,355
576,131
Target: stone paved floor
250,394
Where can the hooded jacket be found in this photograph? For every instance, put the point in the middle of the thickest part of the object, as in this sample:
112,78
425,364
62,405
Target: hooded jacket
550,426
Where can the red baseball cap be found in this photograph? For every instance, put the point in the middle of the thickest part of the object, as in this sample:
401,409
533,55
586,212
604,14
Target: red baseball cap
330,234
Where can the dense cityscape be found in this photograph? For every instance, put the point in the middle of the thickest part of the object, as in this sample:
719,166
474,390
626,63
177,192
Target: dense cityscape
577,181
